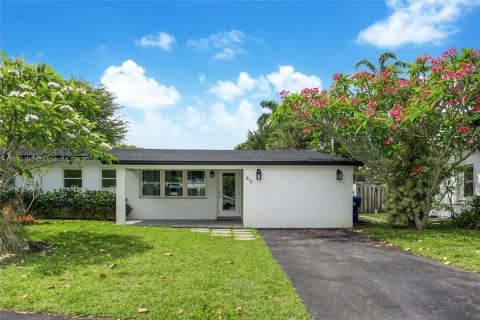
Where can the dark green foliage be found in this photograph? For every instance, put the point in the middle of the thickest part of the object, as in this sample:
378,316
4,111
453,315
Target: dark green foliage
70,204
470,218
106,116
9,195
285,135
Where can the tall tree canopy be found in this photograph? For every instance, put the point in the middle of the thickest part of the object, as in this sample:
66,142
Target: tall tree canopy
42,114
412,126
282,135
107,117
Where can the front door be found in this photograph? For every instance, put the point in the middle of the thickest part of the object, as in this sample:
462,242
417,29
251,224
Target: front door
229,193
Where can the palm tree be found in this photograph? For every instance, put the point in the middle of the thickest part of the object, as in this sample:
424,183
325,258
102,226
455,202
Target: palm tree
382,62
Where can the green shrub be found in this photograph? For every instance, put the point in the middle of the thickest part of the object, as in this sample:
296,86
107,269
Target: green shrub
10,195
77,204
70,204
470,218
12,239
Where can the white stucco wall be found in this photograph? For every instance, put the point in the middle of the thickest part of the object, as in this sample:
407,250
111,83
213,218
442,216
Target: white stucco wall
52,177
288,196
458,198
298,197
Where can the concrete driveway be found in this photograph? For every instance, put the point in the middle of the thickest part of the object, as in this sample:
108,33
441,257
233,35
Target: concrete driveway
344,275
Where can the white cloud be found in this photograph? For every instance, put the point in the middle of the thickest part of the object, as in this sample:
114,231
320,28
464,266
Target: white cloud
193,117
202,77
416,22
285,78
226,44
133,89
243,119
225,54
155,131
229,90
160,40
219,40
192,128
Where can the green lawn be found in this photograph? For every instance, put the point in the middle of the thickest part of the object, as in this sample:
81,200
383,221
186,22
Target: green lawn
442,242
382,216
99,269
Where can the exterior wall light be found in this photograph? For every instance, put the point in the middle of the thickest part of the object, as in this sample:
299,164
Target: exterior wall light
212,174
259,174
339,174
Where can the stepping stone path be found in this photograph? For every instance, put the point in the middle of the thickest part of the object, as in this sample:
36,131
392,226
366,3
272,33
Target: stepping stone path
238,234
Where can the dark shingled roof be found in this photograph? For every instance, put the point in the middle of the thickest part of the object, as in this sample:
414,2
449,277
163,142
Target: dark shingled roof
165,156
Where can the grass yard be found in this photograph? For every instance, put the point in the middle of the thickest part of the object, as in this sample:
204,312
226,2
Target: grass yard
458,247
382,216
102,270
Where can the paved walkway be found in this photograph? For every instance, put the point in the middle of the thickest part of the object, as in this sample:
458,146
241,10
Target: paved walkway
188,223
238,234
340,274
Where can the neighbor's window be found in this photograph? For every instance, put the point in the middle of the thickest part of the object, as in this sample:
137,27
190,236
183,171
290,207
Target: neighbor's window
109,179
173,183
468,182
151,182
72,178
196,183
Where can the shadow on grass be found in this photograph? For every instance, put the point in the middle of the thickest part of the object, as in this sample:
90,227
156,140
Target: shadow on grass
76,250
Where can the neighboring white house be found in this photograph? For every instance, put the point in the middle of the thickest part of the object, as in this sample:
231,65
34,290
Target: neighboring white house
264,189
464,185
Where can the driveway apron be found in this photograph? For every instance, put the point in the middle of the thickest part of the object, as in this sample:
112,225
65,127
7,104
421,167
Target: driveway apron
340,274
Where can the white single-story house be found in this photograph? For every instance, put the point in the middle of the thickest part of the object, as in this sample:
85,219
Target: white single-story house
263,189
462,187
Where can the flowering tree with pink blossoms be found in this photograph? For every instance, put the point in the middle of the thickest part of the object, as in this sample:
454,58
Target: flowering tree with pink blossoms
412,126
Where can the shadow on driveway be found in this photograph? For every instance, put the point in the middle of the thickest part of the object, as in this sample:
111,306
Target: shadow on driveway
340,274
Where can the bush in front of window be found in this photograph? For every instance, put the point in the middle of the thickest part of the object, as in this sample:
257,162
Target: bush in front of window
469,218
72,204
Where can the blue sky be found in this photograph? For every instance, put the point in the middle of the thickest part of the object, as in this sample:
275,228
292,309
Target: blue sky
192,74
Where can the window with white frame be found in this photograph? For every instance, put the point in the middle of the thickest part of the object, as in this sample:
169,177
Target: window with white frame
196,183
72,178
173,183
468,182
109,179
151,182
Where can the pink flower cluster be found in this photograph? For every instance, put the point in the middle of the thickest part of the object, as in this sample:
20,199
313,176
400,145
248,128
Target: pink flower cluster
371,112
463,129
398,113
336,76
362,75
467,69
437,65
310,91
477,107
392,90
449,53
284,93
388,141
403,83
424,57
354,100
418,170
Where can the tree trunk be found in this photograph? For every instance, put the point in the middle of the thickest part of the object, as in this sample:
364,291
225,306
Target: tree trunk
411,204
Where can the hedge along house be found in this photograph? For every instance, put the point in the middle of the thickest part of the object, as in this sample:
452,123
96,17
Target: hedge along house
264,189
